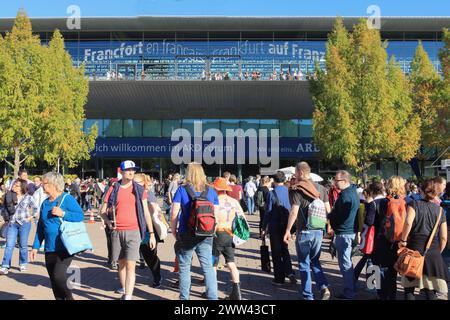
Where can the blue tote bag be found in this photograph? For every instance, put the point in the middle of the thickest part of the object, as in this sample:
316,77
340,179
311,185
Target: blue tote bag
74,235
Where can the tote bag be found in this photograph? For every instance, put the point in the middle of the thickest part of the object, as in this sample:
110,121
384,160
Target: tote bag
74,235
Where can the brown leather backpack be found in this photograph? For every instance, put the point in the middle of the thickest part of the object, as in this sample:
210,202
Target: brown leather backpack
410,262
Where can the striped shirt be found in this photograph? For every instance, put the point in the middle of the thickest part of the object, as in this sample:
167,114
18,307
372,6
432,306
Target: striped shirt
25,209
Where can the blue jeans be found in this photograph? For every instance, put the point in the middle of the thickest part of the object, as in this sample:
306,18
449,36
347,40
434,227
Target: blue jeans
250,204
344,254
14,230
184,248
88,202
447,261
308,247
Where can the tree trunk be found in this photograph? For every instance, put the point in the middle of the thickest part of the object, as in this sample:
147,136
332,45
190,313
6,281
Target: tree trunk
16,161
57,166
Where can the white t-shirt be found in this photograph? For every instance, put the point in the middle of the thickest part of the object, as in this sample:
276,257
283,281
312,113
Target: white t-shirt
250,188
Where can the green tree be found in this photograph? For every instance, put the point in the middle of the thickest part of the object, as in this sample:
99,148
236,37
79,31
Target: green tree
441,97
424,79
362,103
63,113
22,81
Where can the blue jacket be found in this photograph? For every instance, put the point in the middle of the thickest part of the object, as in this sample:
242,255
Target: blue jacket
138,191
48,224
343,215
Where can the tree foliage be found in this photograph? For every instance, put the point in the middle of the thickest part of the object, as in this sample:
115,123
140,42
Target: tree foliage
41,100
363,109
63,114
424,79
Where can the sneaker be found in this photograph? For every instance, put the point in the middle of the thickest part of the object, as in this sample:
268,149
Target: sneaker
292,279
4,271
114,266
23,268
325,294
120,291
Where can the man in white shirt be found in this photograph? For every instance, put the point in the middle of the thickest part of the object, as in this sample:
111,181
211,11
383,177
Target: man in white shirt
250,190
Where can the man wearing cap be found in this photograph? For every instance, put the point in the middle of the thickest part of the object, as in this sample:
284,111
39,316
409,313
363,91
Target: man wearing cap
223,241
125,211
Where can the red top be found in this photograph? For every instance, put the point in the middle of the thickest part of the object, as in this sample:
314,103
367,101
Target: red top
126,213
235,192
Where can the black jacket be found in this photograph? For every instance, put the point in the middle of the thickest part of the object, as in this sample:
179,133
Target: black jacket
10,204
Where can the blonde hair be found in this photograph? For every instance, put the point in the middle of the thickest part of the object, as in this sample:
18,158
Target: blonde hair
195,176
146,179
396,186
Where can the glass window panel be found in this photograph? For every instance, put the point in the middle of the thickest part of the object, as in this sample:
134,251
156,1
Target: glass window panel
228,124
306,129
168,126
388,169
189,125
88,123
268,125
152,128
112,128
210,124
405,170
132,128
289,128
250,124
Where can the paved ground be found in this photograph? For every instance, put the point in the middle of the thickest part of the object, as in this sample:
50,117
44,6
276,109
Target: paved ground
98,282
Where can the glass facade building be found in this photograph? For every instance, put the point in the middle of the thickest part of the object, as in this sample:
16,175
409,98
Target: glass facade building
151,51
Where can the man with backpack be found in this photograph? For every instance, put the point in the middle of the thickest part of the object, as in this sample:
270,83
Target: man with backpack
275,221
309,207
126,212
196,222
344,223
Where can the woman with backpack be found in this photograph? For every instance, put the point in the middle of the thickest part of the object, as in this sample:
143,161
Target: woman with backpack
194,197
20,210
422,217
386,245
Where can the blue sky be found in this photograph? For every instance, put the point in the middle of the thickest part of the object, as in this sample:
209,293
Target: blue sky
58,8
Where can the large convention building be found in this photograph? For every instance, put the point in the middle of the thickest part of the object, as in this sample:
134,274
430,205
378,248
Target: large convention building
152,75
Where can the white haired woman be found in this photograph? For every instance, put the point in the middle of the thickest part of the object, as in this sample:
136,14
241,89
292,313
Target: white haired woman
59,205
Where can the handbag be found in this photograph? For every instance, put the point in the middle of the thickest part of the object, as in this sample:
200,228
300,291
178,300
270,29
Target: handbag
410,262
160,224
367,239
265,258
74,235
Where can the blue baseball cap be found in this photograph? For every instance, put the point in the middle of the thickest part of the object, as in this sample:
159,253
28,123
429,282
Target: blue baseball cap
128,164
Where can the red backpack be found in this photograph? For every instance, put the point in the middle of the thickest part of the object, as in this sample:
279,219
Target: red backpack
202,220
395,219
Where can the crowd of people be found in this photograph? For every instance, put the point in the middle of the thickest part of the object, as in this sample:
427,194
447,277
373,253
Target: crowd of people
398,214
297,75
